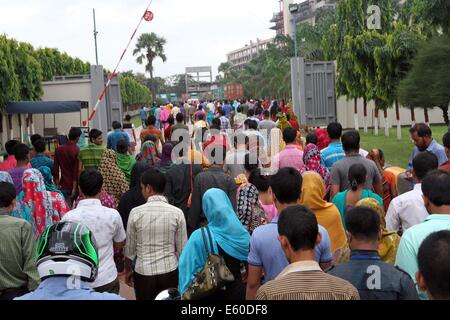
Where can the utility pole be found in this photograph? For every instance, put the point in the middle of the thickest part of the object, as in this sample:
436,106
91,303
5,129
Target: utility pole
95,38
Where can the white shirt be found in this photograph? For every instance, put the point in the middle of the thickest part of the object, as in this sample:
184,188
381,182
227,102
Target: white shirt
363,153
211,107
406,210
175,111
107,227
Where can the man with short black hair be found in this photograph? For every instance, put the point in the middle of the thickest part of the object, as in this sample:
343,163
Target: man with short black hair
156,234
18,273
106,225
214,177
436,196
446,142
22,155
339,171
291,156
409,209
433,275
234,161
311,138
239,119
251,116
116,136
91,155
224,122
40,159
11,161
266,254
334,152
266,124
303,278
374,279
423,140
180,123
66,159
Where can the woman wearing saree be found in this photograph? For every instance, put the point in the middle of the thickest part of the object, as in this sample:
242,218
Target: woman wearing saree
312,196
165,163
114,180
38,206
313,162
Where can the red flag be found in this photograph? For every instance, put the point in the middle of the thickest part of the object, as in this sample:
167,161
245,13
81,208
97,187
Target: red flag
148,16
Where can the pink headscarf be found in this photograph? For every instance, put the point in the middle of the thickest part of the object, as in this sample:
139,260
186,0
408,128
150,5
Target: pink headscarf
313,162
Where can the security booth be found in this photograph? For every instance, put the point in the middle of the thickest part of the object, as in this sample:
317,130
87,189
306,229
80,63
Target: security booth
58,111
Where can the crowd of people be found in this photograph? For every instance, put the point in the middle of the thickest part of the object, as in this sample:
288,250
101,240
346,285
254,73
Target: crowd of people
293,213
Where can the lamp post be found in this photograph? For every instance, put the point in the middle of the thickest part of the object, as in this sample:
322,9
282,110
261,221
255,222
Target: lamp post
293,9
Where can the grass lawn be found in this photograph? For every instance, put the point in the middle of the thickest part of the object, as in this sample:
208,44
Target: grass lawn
396,152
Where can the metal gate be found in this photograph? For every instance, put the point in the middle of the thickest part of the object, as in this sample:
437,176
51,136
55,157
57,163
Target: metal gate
114,101
313,91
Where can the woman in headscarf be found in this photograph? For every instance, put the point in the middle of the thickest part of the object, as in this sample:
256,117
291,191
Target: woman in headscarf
48,179
149,152
165,113
313,162
312,196
249,210
388,245
37,205
277,143
387,178
165,163
114,180
283,122
230,240
133,197
124,160
5,177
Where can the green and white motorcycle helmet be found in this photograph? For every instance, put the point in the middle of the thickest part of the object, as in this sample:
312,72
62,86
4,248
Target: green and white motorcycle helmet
67,249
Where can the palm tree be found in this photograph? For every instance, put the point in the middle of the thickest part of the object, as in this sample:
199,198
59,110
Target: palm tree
149,47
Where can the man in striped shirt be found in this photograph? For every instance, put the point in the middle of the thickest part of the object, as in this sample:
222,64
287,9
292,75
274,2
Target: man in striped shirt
303,279
91,156
156,235
334,152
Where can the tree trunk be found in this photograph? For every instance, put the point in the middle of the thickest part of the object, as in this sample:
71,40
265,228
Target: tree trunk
427,118
397,115
444,109
386,123
356,113
153,85
376,121
365,115
413,117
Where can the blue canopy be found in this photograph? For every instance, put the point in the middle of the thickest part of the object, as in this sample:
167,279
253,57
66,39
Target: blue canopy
40,107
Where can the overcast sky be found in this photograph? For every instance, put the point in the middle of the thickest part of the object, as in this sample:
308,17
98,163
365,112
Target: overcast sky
198,32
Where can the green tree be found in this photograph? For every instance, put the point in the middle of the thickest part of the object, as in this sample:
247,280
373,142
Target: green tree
149,47
9,81
427,84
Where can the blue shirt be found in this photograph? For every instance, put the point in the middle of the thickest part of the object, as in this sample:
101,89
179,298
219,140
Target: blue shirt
56,288
411,240
266,251
394,284
40,160
435,148
227,108
333,153
115,137
143,114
